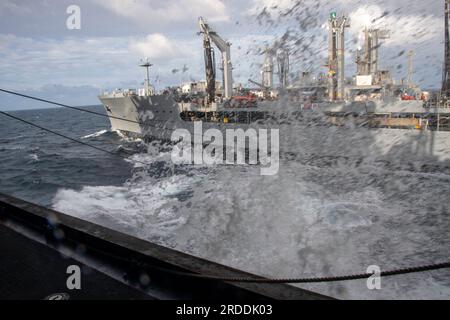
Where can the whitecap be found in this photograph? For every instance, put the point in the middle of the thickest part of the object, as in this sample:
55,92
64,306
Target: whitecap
96,134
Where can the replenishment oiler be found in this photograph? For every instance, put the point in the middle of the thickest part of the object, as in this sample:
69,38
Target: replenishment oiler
372,100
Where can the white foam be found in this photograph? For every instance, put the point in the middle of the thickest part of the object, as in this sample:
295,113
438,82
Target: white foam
96,134
34,157
127,138
309,220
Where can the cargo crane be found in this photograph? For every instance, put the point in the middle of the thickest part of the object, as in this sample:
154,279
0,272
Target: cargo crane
267,70
336,56
265,89
410,69
266,83
283,67
368,59
445,91
210,69
224,47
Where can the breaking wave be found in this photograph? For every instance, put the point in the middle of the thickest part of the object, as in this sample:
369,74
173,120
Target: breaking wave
96,134
311,219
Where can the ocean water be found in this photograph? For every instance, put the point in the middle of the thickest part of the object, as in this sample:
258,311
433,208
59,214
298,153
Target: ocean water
36,164
335,207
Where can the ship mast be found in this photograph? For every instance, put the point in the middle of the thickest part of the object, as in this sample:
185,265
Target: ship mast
146,64
267,69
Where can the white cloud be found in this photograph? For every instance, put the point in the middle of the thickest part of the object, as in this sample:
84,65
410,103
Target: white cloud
156,46
8,7
108,62
405,29
166,12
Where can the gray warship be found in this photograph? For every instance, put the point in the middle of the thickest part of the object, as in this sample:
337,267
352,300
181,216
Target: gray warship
371,99
145,113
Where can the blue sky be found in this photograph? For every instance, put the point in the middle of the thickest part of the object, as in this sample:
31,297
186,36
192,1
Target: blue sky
40,56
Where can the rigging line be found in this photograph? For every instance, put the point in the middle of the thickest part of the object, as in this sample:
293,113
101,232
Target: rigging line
259,279
79,109
395,272
71,139
423,268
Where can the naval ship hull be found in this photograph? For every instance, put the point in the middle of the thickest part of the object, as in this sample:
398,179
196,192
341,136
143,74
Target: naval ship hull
158,116
130,114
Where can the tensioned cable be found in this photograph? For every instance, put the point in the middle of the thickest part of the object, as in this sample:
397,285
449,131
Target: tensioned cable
78,109
71,139
394,272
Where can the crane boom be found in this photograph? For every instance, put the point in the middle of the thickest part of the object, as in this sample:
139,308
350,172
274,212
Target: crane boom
258,84
210,69
224,48
265,89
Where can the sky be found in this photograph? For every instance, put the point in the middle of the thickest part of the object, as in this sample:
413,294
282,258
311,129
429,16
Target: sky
41,56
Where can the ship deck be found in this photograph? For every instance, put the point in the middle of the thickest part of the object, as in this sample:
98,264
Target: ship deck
38,244
34,271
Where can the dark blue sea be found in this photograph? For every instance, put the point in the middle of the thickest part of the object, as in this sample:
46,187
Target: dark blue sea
35,164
